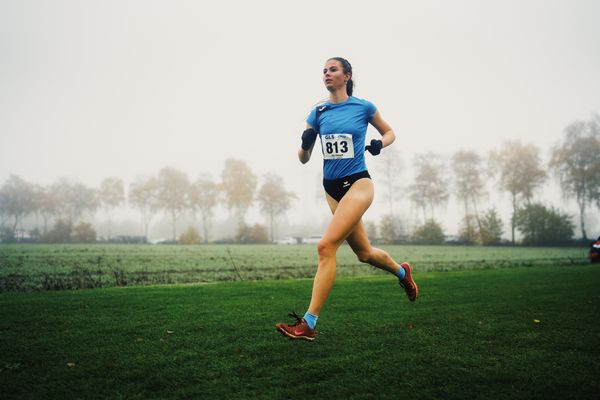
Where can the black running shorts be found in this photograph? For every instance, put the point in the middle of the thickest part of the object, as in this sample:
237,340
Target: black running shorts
337,188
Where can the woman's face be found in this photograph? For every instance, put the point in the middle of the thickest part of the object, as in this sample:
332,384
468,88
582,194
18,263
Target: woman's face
333,75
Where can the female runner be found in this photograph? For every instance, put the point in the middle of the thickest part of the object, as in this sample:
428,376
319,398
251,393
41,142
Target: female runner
341,124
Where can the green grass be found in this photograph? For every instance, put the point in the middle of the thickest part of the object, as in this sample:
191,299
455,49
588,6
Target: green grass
470,335
50,267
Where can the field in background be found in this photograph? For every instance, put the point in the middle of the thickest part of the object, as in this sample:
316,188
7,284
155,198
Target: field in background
526,333
52,267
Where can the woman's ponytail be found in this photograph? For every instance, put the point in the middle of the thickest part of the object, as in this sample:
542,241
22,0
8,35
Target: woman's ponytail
349,87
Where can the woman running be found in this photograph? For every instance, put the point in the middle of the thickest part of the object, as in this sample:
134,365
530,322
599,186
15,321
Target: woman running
342,124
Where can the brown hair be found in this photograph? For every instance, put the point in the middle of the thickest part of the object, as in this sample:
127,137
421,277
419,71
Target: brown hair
347,68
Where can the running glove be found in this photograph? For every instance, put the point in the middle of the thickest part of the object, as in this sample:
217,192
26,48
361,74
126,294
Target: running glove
375,147
308,138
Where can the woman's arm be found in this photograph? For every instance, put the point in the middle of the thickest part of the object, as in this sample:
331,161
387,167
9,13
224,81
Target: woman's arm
387,134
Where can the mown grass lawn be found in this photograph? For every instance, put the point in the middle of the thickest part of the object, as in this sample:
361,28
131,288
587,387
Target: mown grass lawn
499,333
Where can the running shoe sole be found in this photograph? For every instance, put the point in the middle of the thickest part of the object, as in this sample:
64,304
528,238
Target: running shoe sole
408,269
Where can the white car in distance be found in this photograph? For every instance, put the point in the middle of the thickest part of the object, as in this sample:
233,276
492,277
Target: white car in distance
312,239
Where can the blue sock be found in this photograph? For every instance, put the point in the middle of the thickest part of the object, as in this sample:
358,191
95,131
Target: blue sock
311,320
401,273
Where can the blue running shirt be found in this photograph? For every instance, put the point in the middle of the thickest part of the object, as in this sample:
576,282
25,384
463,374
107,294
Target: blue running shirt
343,128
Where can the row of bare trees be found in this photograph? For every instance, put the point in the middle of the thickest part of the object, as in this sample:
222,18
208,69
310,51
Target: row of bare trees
63,200
515,167
238,190
169,191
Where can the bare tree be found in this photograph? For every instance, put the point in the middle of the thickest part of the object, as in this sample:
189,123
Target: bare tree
143,195
73,200
47,205
16,199
38,192
238,183
429,190
110,196
204,195
390,166
576,164
4,215
173,194
520,173
274,200
468,182
468,185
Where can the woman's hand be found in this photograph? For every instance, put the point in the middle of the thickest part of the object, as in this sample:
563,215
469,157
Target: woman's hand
309,137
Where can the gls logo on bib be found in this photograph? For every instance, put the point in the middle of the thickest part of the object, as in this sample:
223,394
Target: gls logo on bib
337,146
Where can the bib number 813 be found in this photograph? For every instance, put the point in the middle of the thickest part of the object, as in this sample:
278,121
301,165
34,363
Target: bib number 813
336,147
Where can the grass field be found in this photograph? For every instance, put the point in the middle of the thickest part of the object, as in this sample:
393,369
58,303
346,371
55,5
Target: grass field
506,333
50,267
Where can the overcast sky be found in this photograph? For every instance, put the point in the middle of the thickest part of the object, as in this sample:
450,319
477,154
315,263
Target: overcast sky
91,89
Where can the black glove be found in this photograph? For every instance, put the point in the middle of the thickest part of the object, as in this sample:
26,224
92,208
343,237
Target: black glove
375,147
308,138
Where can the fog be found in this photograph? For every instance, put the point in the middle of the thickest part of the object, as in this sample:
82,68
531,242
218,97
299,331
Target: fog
92,89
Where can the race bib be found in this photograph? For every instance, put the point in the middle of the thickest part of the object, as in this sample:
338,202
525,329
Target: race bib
337,145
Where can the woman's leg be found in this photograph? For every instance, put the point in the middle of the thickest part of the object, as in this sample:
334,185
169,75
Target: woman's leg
359,242
361,246
346,215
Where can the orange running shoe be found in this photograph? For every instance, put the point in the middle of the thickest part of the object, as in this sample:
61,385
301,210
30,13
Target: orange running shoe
299,330
409,285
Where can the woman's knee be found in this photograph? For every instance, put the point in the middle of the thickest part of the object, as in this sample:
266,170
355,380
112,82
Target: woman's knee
364,255
326,248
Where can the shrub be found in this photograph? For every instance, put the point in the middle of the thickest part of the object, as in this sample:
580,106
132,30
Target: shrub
429,233
256,234
392,229
469,231
7,235
491,228
542,226
83,233
190,236
60,233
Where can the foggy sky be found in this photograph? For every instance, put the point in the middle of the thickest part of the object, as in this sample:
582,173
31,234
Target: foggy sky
91,89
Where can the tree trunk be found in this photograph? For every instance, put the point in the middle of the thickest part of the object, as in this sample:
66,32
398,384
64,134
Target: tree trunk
205,227
272,231
109,220
174,233
512,220
146,230
14,229
581,219
476,214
